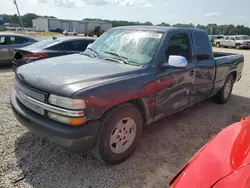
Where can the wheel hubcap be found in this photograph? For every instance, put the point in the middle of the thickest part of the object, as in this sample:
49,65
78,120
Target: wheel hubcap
123,135
227,89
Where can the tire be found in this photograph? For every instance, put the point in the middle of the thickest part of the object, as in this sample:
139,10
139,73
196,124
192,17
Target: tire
75,34
106,148
66,34
218,45
237,46
224,94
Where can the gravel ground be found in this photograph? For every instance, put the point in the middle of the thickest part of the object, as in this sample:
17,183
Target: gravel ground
29,161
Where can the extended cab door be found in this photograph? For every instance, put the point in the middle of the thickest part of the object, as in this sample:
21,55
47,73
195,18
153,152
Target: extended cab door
173,84
204,67
232,42
226,41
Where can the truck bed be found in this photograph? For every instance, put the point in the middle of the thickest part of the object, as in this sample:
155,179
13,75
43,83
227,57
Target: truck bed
222,54
226,63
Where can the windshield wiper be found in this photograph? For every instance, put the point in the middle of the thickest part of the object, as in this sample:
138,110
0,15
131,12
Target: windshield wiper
124,59
96,54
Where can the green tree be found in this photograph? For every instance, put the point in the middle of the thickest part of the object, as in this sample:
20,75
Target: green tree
27,19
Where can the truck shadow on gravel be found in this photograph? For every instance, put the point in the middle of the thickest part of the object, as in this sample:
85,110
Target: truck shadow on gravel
6,69
165,147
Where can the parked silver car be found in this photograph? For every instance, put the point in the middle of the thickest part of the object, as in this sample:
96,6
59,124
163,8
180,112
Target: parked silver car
237,41
8,43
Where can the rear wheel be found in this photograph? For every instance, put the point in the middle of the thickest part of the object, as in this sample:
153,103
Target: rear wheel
66,34
120,134
224,94
75,34
217,44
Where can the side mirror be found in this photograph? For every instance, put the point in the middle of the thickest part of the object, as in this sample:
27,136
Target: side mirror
176,61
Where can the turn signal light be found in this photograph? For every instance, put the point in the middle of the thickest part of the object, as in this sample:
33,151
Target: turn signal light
67,120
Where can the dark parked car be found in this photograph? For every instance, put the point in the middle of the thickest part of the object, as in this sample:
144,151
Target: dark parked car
50,48
10,41
128,78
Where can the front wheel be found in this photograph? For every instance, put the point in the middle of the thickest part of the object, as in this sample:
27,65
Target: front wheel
237,46
217,44
224,94
120,134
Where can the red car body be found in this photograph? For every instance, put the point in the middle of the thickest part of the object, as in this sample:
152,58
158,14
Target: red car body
224,162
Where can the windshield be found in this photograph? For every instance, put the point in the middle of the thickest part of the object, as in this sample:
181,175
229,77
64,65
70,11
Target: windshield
138,47
42,44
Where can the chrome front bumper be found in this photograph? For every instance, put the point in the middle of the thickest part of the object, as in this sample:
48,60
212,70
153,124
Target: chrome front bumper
38,105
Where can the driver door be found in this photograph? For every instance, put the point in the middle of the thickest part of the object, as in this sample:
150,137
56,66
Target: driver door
173,85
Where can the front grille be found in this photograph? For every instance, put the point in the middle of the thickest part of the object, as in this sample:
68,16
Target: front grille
30,92
23,91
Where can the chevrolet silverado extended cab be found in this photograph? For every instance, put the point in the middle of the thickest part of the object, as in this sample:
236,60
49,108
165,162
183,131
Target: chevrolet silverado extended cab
130,77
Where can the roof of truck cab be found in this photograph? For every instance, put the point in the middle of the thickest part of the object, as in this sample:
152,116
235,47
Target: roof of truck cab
154,28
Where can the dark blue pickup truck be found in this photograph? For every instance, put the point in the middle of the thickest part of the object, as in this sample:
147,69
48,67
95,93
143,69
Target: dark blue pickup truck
130,77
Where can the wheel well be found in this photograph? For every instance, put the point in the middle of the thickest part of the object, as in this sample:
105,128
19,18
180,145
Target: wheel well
137,103
234,74
141,106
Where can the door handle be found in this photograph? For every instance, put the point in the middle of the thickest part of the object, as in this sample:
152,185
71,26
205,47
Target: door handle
191,73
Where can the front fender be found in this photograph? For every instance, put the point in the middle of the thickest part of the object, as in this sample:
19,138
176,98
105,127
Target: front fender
102,97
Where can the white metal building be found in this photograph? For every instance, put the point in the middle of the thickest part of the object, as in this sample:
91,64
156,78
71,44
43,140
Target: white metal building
48,24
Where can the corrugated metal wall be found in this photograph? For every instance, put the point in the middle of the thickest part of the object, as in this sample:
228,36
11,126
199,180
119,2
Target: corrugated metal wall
40,24
106,26
82,27
78,26
54,24
65,25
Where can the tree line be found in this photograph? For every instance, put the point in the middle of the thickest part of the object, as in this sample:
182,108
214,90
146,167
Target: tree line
26,18
213,29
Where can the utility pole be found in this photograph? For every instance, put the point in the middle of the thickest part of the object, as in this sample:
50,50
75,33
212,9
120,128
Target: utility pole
20,18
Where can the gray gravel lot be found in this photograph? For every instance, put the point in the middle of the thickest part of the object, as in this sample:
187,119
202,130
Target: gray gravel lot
29,161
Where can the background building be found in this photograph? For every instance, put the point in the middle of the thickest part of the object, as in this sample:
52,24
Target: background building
48,24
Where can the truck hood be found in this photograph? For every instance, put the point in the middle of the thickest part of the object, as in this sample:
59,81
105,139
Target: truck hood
225,153
68,74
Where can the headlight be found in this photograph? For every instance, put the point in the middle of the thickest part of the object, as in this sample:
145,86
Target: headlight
73,104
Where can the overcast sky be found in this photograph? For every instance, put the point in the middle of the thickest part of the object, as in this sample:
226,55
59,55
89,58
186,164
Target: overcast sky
156,11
